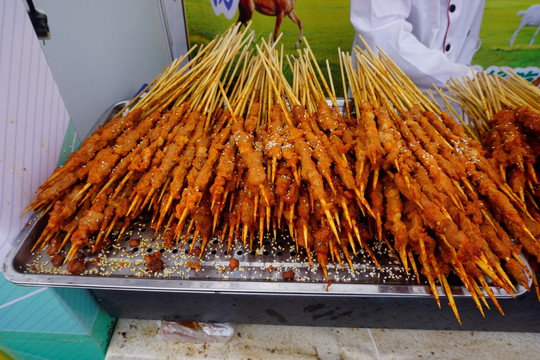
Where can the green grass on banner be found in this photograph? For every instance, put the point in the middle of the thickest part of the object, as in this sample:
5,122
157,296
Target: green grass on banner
499,23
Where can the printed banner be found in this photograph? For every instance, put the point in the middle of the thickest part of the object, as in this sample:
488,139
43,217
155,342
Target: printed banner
226,7
507,37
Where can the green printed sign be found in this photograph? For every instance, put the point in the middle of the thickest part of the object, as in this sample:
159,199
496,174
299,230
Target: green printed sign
327,27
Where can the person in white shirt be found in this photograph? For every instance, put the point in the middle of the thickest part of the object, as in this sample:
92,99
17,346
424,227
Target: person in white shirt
430,40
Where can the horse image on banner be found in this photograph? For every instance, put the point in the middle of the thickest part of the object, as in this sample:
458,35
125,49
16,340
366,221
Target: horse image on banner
277,8
531,17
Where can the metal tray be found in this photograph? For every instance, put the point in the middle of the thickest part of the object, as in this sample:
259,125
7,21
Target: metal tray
122,267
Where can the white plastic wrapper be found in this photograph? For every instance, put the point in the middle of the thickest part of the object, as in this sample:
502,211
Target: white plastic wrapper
196,332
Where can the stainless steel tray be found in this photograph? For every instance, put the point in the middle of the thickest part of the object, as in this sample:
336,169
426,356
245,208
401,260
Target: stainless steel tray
122,267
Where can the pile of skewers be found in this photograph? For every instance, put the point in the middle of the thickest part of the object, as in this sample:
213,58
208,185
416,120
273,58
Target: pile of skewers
226,145
508,126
